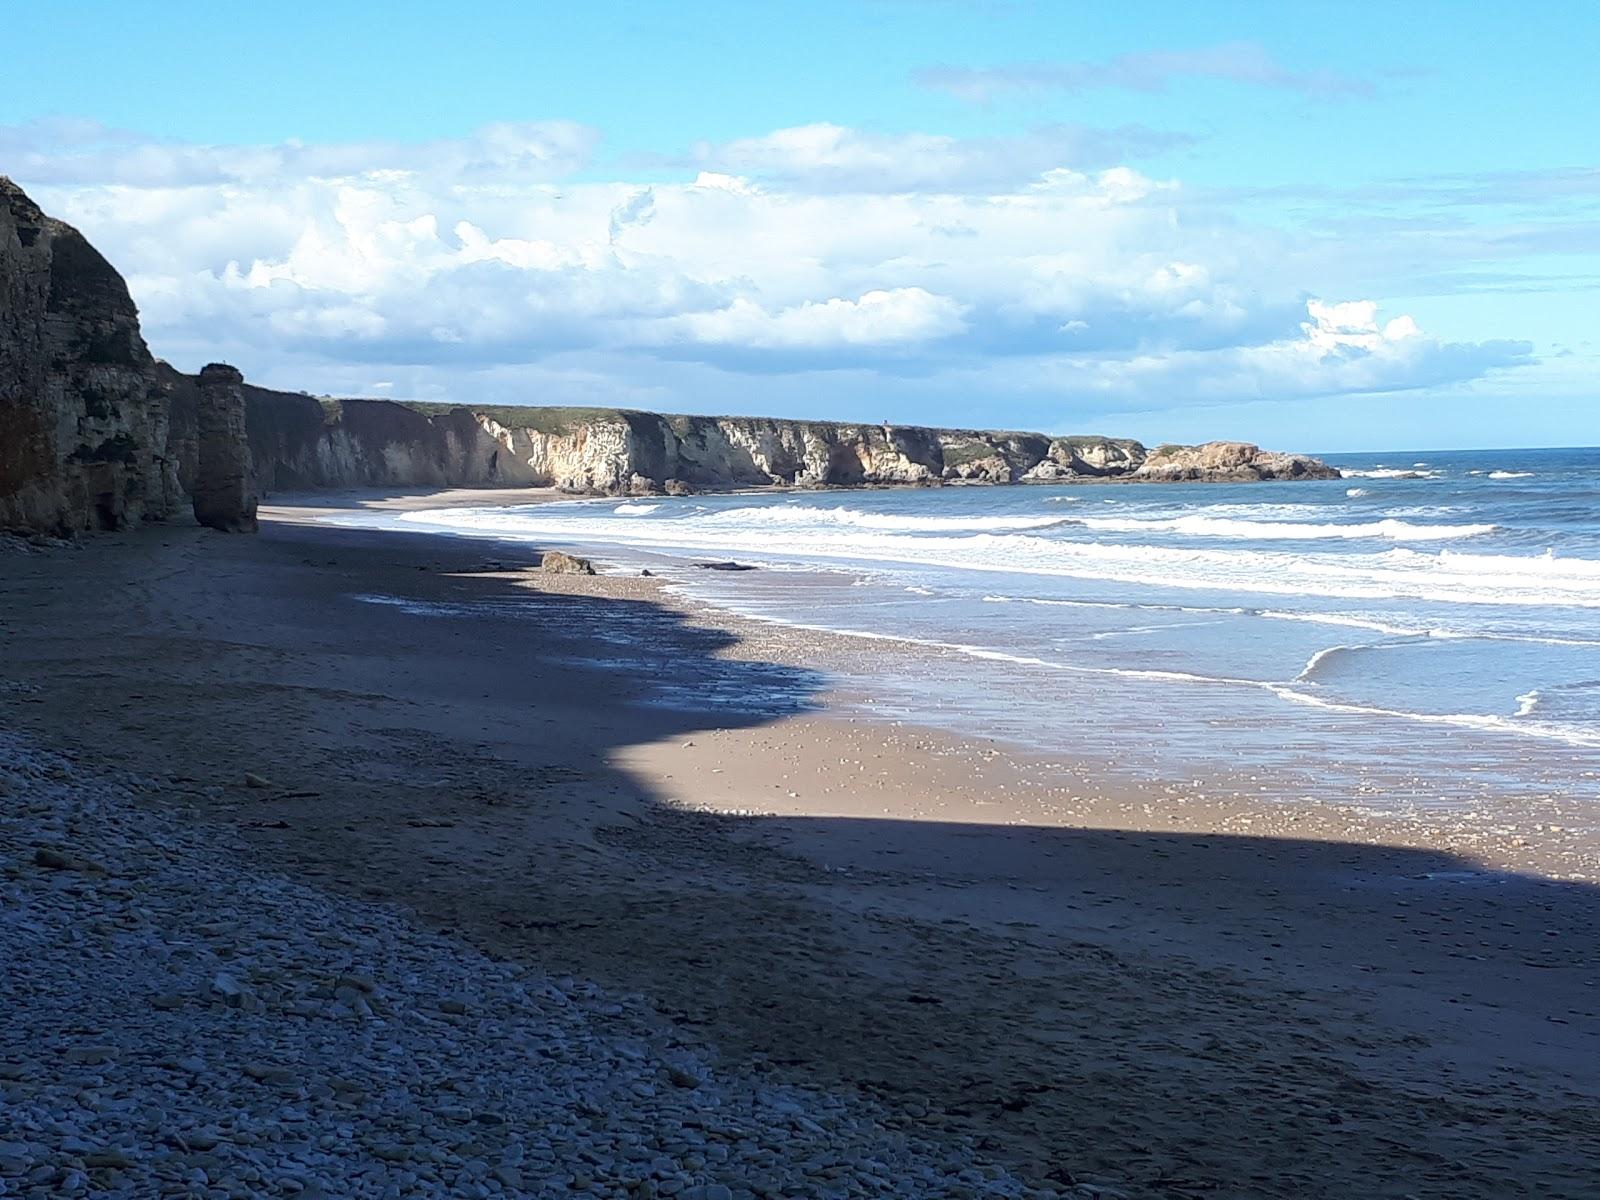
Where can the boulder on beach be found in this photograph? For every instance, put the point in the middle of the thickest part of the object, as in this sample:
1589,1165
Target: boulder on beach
557,562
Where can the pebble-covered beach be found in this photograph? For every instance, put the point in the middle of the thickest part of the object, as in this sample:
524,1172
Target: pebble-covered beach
179,1022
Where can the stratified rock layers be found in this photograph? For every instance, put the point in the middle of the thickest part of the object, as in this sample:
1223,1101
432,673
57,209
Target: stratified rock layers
300,442
83,420
224,496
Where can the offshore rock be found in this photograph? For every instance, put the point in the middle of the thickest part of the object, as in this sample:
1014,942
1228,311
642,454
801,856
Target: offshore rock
1219,462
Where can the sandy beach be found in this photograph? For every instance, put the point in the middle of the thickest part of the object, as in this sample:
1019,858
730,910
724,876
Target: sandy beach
1121,988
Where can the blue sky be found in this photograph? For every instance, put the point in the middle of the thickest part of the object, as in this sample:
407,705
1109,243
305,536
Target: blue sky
1337,226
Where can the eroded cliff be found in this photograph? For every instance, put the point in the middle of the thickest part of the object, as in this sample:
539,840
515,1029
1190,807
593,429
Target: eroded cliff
86,436
300,442
82,420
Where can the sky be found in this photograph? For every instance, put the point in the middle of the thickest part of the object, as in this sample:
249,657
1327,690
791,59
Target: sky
1316,226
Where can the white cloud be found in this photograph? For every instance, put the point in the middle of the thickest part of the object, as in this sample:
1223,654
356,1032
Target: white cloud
896,317
1342,350
827,157
461,269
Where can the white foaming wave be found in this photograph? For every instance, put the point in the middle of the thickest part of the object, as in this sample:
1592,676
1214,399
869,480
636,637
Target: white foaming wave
1355,492
1126,605
1389,473
1477,721
802,516
1510,474
1352,622
1287,692
1062,499
1398,573
1316,660
1414,631
1202,526
635,510
1526,703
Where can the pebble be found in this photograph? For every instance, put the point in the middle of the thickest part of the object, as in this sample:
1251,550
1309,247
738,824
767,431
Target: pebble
224,1031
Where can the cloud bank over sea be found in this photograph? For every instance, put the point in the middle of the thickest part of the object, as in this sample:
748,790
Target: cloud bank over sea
855,272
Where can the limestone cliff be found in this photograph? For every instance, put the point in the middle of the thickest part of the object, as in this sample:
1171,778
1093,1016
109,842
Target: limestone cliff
300,442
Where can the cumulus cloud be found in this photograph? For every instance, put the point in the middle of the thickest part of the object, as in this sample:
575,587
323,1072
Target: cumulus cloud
483,269
1342,349
895,317
1146,71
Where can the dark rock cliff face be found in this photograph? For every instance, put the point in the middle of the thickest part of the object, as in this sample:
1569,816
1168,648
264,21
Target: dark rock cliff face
83,421
96,434
224,494
87,437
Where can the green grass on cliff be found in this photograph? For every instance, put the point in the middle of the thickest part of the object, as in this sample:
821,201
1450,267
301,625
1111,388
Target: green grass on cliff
543,419
555,419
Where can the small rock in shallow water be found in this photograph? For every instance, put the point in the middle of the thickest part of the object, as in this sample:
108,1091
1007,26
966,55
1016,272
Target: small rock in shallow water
252,780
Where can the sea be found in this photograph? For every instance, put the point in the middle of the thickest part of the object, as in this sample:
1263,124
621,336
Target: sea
1417,634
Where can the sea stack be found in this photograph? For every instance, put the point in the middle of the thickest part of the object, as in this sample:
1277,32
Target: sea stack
224,490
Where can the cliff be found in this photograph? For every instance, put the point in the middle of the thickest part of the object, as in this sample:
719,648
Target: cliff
82,419
86,440
97,434
300,442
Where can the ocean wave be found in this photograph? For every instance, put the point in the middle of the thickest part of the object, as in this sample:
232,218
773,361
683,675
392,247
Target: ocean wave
1510,474
1353,622
1480,722
1397,573
1048,602
800,515
1527,703
1388,473
1389,529
1316,660
1288,692
635,510
1353,493
1389,629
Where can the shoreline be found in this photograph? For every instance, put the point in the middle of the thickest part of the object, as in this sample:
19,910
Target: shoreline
1249,1011
1545,836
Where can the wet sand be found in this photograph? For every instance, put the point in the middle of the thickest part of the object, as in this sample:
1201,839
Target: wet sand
1185,999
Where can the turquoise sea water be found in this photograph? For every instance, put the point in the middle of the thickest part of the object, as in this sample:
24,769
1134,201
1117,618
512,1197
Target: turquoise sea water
1426,629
